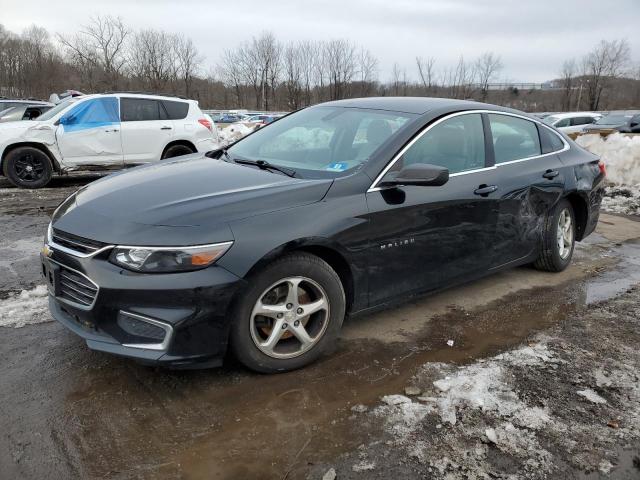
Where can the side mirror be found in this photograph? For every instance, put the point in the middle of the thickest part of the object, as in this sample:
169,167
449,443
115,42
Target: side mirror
66,120
421,174
634,124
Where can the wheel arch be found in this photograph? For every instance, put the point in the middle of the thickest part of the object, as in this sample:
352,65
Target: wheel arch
172,143
580,211
39,146
325,250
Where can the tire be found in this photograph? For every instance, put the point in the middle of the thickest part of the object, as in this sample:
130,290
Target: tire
554,257
270,289
177,151
28,167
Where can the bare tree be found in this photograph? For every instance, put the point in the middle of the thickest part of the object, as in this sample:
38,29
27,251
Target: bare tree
368,70
460,79
340,64
232,74
607,61
293,74
486,68
426,71
153,59
568,83
188,61
99,45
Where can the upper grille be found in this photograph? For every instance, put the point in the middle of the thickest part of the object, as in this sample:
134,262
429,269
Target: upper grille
77,288
81,245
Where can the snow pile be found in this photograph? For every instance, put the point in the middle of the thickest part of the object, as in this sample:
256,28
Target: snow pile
233,133
620,153
25,308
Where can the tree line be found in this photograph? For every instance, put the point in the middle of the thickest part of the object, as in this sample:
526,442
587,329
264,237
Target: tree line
265,73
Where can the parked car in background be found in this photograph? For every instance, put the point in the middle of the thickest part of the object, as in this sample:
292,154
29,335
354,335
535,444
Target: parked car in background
101,132
332,211
260,119
632,125
25,111
6,103
612,122
228,118
572,122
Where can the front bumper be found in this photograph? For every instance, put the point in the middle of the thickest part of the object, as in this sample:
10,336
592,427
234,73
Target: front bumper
175,319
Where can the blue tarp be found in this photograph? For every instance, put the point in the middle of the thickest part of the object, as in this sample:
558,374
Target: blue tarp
96,113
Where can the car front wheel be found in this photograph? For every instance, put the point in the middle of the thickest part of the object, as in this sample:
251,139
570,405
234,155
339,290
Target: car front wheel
558,238
289,316
28,167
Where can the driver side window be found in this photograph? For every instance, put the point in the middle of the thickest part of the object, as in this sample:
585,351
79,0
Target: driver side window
457,144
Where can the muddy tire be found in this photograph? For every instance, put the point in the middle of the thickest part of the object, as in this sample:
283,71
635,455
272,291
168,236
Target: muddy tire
177,151
28,167
558,238
290,314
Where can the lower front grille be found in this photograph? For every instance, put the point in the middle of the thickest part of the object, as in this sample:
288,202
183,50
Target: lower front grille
77,288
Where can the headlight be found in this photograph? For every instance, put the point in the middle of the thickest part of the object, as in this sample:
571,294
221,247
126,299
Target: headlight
168,259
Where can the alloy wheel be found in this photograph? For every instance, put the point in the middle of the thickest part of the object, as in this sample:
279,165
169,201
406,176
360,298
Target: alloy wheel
564,234
290,317
29,168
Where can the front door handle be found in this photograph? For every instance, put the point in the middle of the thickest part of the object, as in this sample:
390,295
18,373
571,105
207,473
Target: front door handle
114,130
551,174
165,128
485,190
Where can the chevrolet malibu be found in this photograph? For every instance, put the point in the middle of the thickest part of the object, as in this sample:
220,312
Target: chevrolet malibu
264,248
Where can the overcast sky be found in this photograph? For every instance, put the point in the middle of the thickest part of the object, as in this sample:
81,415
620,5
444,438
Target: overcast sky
533,37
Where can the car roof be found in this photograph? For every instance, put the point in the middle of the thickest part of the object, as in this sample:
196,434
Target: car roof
416,105
25,102
575,114
137,95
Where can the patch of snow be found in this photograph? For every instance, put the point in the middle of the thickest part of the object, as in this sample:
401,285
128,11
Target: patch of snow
233,133
450,343
395,399
25,308
363,466
591,396
620,153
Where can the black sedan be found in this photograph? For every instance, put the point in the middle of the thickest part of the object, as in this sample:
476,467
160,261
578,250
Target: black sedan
332,211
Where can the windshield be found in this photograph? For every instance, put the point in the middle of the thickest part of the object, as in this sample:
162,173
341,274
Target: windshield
4,113
613,120
321,142
48,115
550,119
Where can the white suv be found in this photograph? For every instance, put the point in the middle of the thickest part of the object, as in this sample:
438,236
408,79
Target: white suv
102,132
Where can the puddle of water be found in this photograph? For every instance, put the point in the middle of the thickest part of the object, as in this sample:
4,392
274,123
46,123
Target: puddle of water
618,280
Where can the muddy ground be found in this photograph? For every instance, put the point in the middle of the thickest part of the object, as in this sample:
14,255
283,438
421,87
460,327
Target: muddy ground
520,375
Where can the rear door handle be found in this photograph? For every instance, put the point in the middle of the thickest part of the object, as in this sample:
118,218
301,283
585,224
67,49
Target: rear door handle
165,128
485,190
551,174
113,130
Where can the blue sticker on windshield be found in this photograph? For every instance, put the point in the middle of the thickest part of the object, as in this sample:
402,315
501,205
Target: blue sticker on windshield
337,167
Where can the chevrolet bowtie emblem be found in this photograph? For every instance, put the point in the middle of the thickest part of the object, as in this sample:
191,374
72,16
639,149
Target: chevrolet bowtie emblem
46,251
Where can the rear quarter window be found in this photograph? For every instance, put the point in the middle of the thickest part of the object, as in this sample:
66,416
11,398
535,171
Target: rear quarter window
549,141
176,110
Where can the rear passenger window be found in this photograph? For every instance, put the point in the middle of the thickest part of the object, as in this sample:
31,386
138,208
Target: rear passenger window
139,109
513,138
457,144
176,110
549,140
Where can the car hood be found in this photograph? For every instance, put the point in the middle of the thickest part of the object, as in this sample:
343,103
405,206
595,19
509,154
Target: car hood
191,200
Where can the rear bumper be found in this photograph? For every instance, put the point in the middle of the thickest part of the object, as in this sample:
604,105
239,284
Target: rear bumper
177,320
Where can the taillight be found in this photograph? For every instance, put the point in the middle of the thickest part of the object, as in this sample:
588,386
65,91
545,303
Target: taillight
206,123
603,168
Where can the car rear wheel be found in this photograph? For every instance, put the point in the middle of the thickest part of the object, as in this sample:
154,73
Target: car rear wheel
28,167
289,316
177,151
558,238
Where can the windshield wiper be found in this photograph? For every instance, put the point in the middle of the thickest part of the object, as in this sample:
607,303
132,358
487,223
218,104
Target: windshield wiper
263,164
